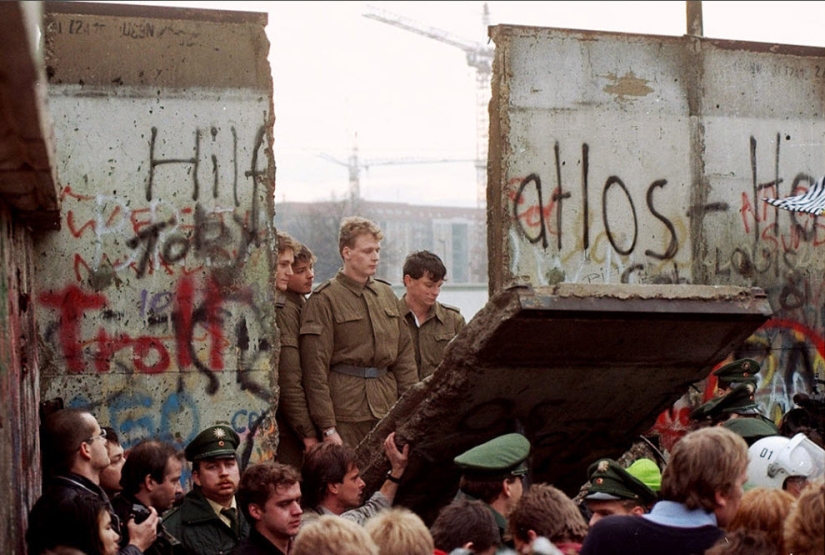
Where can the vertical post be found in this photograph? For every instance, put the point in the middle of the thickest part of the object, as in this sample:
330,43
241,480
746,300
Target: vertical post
694,18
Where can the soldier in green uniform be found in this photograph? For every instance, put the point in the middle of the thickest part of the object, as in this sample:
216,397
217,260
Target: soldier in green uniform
207,522
494,472
356,353
432,324
296,432
737,404
743,370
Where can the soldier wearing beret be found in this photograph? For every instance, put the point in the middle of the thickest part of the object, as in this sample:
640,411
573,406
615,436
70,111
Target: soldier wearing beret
208,522
494,472
432,324
356,353
616,491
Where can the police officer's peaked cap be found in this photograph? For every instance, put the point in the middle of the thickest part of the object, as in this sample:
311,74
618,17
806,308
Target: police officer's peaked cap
496,459
752,429
609,481
705,410
739,400
742,370
214,442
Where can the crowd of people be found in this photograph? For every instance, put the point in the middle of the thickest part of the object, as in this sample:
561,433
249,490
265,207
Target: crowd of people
735,484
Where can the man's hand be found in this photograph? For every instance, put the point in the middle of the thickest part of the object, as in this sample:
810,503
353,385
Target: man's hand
144,534
334,438
309,443
398,459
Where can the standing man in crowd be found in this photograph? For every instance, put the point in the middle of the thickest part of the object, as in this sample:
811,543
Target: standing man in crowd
432,324
356,352
150,479
207,521
296,432
493,473
615,490
110,476
270,498
74,451
303,273
332,483
702,487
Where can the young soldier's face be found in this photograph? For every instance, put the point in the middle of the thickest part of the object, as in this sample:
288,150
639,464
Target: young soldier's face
423,290
361,260
284,271
302,275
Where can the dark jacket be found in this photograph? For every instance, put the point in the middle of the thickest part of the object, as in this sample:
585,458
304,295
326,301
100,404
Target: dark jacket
199,529
256,544
165,544
48,513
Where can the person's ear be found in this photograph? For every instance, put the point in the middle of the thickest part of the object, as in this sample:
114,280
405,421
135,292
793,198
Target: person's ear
85,451
721,499
332,489
505,486
531,535
255,511
149,482
638,510
407,280
196,477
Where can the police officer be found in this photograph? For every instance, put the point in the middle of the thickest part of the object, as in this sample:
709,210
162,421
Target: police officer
356,353
738,403
743,370
614,490
208,522
432,324
494,472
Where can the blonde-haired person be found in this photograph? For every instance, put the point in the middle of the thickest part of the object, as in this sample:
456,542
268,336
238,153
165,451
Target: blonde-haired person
805,526
399,531
763,510
332,535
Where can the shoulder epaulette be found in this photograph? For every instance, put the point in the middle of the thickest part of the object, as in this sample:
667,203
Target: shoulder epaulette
451,307
385,282
322,286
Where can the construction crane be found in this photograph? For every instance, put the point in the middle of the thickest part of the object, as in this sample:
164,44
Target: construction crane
355,164
479,57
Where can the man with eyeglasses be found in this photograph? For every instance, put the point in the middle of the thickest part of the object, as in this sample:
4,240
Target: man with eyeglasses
74,453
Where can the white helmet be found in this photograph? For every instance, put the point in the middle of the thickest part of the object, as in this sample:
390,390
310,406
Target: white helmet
774,459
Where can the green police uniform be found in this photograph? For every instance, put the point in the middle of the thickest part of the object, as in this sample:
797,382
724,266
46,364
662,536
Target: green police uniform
610,482
432,335
194,522
356,355
495,461
294,422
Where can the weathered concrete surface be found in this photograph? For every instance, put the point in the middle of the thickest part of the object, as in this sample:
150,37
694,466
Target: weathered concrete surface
618,158
580,369
154,301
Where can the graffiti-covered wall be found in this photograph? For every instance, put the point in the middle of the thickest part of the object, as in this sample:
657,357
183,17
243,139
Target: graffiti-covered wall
636,159
154,304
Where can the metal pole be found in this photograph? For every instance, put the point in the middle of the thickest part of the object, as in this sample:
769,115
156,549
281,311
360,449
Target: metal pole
694,18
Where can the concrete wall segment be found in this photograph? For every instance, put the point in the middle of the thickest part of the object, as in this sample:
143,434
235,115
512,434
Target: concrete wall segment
155,304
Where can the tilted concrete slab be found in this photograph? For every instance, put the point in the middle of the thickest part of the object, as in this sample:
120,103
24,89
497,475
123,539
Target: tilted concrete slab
581,370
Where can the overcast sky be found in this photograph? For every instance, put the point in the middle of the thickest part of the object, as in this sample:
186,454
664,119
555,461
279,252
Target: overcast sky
408,97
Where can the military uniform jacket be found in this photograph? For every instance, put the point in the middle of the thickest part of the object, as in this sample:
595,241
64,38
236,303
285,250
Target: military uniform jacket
200,529
292,403
443,323
346,322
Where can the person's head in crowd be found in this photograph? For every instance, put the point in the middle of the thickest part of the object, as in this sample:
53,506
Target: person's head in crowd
545,511
763,510
359,243
743,542
707,470
785,463
799,421
82,522
331,478
110,476
615,491
286,256
423,276
73,441
743,370
468,524
214,463
269,496
333,535
804,531
399,531
152,474
494,471
303,271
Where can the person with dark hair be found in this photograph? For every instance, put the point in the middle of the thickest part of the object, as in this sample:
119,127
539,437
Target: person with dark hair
150,479
296,431
269,496
702,488
432,324
207,521
332,483
546,512
465,524
74,452
81,523
356,354
110,476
